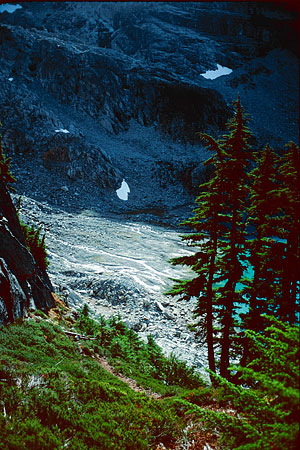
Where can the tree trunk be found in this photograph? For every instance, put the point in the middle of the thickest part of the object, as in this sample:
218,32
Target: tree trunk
294,271
231,284
253,321
227,324
209,312
286,282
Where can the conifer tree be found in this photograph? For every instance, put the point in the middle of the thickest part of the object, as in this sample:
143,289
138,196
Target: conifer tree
289,198
263,288
5,174
236,156
274,248
36,244
219,225
207,226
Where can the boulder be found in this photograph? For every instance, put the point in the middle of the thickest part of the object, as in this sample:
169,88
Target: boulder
16,254
13,300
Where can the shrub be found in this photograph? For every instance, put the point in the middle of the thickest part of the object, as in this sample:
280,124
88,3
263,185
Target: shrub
266,407
36,245
70,400
201,397
5,173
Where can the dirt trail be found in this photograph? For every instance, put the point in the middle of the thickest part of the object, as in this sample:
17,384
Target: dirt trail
129,381
193,438
105,364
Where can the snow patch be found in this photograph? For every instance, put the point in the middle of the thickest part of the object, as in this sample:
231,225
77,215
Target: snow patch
212,74
123,191
8,7
62,130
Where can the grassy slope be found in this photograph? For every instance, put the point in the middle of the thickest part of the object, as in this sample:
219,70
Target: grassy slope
54,393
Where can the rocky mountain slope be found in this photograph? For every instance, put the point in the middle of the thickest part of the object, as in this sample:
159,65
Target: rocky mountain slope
23,285
96,92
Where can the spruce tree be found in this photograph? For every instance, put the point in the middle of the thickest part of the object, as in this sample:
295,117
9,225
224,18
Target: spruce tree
289,198
207,226
36,245
274,246
263,287
236,156
219,235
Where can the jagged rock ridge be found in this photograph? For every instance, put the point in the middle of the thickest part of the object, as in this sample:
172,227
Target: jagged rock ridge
22,284
97,70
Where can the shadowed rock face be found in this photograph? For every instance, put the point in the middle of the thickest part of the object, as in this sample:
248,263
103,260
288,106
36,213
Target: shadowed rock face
96,69
22,284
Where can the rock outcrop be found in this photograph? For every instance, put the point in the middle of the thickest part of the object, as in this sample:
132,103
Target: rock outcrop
22,284
78,77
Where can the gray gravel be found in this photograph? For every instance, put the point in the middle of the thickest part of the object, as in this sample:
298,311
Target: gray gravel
119,268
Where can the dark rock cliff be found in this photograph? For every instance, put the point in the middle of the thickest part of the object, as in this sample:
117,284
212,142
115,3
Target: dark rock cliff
22,284
78,78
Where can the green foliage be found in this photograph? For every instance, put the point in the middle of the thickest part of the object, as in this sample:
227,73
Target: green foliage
246,221
265,405
144,362
53,395
201,397
219,235
5,173
36,245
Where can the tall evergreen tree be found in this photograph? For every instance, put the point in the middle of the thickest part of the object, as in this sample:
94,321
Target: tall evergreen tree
208,227
274,215
233,174
219,225
263,287
289,197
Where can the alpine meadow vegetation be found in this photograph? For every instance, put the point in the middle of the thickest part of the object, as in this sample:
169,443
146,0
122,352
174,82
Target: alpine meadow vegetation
55,393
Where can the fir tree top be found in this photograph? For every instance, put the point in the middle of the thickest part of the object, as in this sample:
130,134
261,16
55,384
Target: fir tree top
5,173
